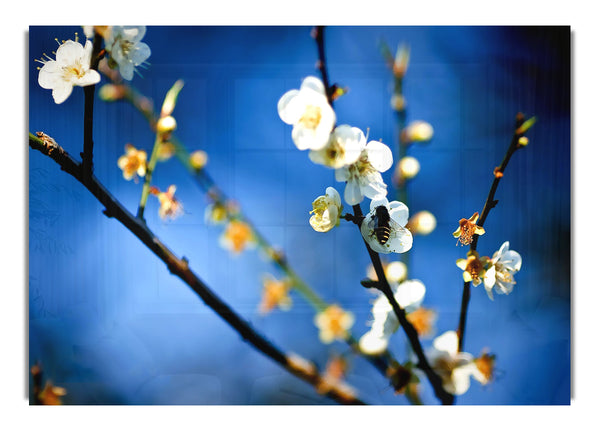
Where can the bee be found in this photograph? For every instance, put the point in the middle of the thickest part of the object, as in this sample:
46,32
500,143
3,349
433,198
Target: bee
382,228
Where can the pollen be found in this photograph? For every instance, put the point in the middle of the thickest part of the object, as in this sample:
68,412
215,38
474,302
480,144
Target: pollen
311,117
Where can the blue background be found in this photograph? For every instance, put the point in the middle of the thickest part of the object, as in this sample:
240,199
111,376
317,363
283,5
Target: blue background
111,325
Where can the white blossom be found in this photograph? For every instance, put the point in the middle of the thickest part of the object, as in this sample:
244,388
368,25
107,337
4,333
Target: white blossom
71,68
344,148
326,211
400,239
126,49
504,264
363,178
309,111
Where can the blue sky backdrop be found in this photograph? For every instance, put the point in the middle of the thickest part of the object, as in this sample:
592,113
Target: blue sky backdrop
113,326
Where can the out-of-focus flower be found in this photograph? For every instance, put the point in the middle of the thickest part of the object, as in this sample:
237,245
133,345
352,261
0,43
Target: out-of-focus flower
333,378
166,125
422,319
400,376
126,49
474,267
333,323
51,394
215,213
484,367
454,367
326,211
308,110
409,295
165,151
71,68
297,362
170,207
198,159
422,223
237,237
111,92
363,178
91,30
395,272
344,148
504,264
397,102
383,228
417,131
401,61
274,294
133,162
467,228
408,167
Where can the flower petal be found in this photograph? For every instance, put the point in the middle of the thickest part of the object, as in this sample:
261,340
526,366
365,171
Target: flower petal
289,111
380,156
313,83
399,212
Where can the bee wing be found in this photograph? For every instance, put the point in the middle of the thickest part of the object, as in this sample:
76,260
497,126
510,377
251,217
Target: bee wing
400,238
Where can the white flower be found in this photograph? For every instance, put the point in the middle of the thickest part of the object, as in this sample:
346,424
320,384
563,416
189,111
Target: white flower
363,178
454,367
71,67
343,149
383,228
308,110
409,295
326,211
504,264
123,44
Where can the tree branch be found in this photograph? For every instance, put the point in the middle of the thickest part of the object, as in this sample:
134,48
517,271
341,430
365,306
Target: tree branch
179,267
490,203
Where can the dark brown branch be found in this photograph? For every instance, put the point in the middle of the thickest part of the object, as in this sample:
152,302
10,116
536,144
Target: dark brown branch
88,115
411,333
490,203
179,267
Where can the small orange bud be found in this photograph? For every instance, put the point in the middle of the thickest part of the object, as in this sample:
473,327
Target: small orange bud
498,173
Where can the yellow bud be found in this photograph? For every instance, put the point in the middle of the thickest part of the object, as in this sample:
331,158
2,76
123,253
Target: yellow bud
408,167
171,99
166,124
523,141
111,92
198,159
396,271
398,102
418,131
422,223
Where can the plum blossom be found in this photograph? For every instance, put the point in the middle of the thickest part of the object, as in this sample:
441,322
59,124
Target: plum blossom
237,237
71,68
333,323
409,295
308,110
363,177
326,211
400,239
170,207
467,228
275,294
133,162
126,49
344,148
504,264
454,367
474,267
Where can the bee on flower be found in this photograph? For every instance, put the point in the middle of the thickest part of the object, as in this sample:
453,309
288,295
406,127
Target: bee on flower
126,50
309,111
467,228
237,236
474,267
326,211
500,275
409,295
275,294
133,163
71,68
363,177
384,227
333,323
170,207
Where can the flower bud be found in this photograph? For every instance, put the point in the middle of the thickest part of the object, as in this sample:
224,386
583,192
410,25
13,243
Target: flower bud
166,124
198,159
398,102
111,92
408,168
417,131
422,223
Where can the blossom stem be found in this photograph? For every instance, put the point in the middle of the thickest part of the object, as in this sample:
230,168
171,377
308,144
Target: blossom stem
319,35
179,266
490,203
88,114
409,330
148,176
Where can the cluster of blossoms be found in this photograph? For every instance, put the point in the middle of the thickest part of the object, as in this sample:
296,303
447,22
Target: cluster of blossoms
73,64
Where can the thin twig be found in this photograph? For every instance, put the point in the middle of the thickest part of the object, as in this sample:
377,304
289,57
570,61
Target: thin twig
490,203
179,266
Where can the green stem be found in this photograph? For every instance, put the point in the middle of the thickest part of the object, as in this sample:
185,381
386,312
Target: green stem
148,176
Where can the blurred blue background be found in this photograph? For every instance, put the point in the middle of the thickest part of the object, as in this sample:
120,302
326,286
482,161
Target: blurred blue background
110,324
